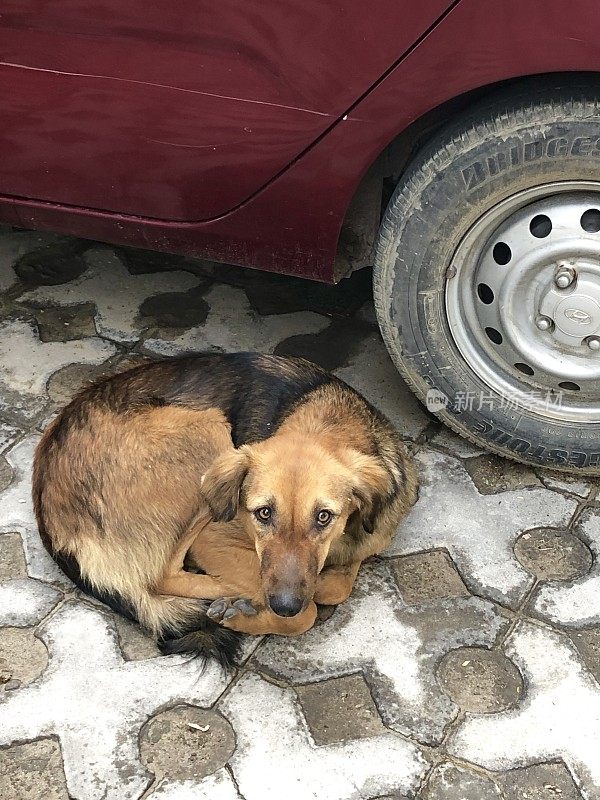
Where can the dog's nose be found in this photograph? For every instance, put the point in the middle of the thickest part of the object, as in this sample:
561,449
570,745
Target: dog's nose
285,605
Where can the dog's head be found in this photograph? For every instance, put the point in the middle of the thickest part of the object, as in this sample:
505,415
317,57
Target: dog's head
294,497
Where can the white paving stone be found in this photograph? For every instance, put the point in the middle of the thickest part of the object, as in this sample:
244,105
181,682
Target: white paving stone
26,363
116,293
455,444
396,647
232,324
566,483
8,434
577,602
558,718
95,702
219,786
373,373
275,756
477,530
24,602
449,782
16,513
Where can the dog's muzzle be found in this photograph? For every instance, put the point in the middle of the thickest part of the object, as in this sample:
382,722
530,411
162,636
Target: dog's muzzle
285,605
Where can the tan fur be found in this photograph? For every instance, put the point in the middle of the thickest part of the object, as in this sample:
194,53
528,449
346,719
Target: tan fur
148,466
158,478
310,462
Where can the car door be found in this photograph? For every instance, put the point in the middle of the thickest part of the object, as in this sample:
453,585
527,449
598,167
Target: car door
181,110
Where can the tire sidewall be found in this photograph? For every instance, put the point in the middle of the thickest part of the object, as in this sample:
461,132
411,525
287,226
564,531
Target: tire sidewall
438,203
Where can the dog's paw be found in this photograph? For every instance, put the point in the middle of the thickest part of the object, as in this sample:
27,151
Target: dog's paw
226,608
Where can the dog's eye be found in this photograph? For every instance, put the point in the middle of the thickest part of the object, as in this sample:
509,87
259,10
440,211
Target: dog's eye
263,514
324,518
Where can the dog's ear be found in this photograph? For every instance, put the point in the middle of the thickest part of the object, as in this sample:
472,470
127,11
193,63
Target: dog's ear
222,483
371,486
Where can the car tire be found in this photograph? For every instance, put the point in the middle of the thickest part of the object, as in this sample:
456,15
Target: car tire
483,178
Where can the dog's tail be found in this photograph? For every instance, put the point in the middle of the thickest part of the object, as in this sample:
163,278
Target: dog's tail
180,624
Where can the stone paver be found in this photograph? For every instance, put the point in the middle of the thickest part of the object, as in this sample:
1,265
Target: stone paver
449,782
116,293
558,718
394,645
95,702
219,786
233,325
26,364
23,657
566,483
6,473
275,755
65,324
15,245
12,563
136,644
371,372
479,680
17,513
424,685
186,743
539,782
9,250
553,555
68,381
50,260
427,577
340,709
492,474
25,602
477,530
32,771
8,434
587,642
577,602
446,439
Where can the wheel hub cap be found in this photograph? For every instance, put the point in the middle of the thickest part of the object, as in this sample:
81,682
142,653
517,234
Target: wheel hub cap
523,301
577,315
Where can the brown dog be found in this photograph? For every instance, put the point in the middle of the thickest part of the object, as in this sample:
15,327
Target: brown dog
273,477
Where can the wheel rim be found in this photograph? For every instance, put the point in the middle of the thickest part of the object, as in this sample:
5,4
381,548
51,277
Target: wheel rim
523,300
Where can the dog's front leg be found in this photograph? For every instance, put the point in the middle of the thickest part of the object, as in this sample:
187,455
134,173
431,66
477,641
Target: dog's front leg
188,584
334,584
243,617
176,581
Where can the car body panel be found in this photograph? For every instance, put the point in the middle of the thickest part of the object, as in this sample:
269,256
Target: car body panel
292,224
181,111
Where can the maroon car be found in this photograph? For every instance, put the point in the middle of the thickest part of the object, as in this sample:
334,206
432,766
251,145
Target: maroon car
455,146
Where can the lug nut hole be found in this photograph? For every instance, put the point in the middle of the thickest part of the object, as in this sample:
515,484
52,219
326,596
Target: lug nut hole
590,220
570,386
502,253
486,295
540,226
494,335
524,368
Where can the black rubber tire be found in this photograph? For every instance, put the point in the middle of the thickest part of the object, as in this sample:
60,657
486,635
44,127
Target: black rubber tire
548,130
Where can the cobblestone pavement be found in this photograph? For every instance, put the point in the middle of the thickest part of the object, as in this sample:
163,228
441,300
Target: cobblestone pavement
465,665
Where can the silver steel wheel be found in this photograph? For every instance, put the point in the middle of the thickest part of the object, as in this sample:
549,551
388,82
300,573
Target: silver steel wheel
523,300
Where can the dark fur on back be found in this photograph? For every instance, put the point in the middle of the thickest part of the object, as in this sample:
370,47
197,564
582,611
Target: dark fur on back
256,393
